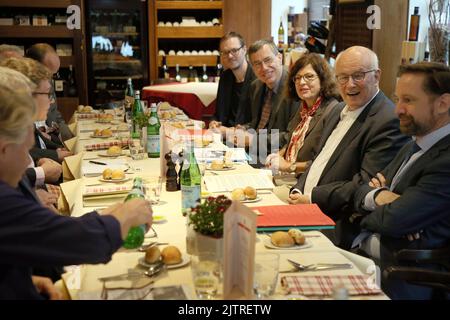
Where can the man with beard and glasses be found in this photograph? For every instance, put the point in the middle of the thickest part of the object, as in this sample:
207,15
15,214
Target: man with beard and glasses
233,93
407,205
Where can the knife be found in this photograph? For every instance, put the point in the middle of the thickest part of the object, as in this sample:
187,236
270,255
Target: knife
98,162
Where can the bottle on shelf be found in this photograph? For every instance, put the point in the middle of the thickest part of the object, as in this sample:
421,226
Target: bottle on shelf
219,69
414,25
177,70
135,236
191,75
138,113
204,75
72,88
281,34
190,179
129,99
153,137
59,85
164,69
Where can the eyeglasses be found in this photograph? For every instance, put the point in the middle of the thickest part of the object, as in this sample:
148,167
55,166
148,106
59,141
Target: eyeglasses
48,94
356,77
309,77
233,51
266,61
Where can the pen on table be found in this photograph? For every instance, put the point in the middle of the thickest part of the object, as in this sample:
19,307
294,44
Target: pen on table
98,162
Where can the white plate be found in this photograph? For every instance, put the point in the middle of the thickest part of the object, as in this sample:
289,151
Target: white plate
268,243
185,259
101,137
251,200
223,169
104,154
114,180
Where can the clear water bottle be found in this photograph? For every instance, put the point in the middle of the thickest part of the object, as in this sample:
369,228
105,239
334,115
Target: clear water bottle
190,179
153,127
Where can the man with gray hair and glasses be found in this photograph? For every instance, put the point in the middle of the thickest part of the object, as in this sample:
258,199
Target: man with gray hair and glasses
360,137
271,108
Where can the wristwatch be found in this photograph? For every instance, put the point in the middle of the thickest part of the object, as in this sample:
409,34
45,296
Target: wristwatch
292,167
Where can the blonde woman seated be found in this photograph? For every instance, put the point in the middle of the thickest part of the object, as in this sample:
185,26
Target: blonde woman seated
312,81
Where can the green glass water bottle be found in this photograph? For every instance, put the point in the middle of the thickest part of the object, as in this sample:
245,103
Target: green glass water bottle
153,127
135,236
190,179
138,113
129,99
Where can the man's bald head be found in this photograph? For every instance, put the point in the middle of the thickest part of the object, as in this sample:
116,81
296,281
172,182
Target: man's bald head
45,54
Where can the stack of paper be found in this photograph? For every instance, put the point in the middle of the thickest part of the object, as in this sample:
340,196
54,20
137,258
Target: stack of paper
210,154
301,216
90,169
104,196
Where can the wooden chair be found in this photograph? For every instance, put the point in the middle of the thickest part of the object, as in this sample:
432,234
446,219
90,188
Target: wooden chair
439,281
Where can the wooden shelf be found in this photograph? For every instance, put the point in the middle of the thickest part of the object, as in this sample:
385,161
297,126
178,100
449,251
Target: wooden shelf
116,34
37,4
194,5
66,61
116,61
67,106
186,61
189,32
118,77
35,32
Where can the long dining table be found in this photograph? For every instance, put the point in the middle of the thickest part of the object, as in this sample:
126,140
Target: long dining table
82,282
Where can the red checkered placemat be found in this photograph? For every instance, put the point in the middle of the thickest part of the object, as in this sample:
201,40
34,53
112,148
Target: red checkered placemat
323,285
106,145
95,190
87,116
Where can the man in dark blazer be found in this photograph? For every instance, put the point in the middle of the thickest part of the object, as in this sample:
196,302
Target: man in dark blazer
233,94
407,205
360,136
47,148
271,108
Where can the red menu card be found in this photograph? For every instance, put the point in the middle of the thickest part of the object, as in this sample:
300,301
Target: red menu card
283,217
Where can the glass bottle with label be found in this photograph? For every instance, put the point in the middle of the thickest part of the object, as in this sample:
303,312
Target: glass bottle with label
177,76
164,69
205,75
59,85
191,75
135,236
138,113
72,88
129,99
219,69
281,34
190,179
153,127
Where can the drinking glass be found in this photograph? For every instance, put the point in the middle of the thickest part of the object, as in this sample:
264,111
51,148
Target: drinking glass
137,150
266,274
154,191
206,274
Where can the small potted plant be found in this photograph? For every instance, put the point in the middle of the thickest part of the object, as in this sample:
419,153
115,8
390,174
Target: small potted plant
205,225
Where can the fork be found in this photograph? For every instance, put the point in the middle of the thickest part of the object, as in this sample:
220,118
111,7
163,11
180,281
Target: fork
320,266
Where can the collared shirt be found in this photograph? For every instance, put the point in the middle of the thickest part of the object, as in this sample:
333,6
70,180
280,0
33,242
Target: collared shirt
347,119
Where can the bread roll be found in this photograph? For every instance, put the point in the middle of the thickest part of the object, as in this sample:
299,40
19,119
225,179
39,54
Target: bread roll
282,239
97,132
118,174
106,132
171,255
238,194
107,174
297,235
217,165
114,151
152,254
250,193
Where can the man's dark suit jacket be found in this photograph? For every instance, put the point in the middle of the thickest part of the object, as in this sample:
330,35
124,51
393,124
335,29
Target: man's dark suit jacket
224,94
53,115
370,144
424,206
314,133
283,109
37,152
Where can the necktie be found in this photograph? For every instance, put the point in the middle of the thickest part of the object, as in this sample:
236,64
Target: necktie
414,148
265,114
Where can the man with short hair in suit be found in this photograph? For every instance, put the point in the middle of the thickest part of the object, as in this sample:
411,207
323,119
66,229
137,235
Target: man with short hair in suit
46,54
271,108
407,205
233,93
360,137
